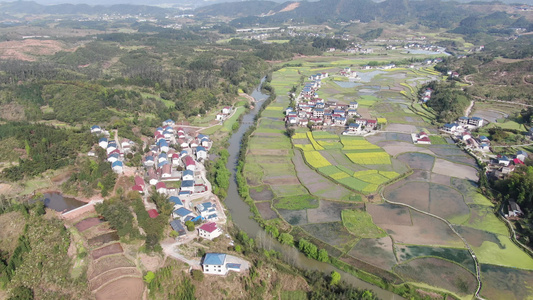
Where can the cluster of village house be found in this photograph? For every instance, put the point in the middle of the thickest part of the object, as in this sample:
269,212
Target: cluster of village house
310,109
115,150
163,164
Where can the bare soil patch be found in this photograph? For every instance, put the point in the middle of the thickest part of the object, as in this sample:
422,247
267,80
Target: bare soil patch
378,252
419,175
108,263
415,194
404,128
506,283
29,49
441,179
103,239
359,264
425,230
150,263
389,214
439,273
364,112
290,7
261,193
476,237
124,288
87,223
329,211
445,167
12,225
12,111
107,250
446,202
103,279
294,217
418,160
266,210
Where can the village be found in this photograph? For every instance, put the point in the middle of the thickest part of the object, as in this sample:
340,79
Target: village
318,114
174,167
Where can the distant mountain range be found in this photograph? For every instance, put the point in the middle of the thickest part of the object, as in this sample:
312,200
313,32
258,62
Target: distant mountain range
192,4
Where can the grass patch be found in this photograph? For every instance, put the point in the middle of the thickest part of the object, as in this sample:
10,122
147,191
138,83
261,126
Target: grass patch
228,124
297,202
211,130
360,223
353,183
508,254
324,135
437,140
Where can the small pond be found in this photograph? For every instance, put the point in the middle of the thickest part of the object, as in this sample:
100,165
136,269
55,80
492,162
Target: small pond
57,202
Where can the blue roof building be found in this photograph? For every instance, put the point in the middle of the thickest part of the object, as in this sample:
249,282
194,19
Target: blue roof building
217,259
178,227
182,212
175,200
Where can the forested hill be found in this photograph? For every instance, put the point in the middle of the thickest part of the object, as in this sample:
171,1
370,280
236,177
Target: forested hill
30,7
431,13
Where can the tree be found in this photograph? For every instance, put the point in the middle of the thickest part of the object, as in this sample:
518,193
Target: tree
286,239
21,293
335,278
323,255
190,225
149,277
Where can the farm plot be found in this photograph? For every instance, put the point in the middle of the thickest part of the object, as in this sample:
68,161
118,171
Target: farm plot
425,230
288,190
261,193
268,142
314,142
483,218
333,233
396,148
330,144
315,159
419,175
506,283
360,224
357,143
87,223
389,214
266,211
469,189
123,288
460,256
439,273
413,193
108,263
377,252
298,202
294,217
320,135
447,150
329,211
462,159
370,158
445,167
504,254
417,160
403,128
103,239
317,184
441,179
447,203
104,279
107,250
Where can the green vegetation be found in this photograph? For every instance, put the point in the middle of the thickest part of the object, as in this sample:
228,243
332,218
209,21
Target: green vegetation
448,102
360,223
46,148
296,202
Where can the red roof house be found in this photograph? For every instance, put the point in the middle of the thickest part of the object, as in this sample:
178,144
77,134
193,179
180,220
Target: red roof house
139,180
153,213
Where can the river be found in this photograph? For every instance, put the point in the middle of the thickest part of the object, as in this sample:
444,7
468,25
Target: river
242,217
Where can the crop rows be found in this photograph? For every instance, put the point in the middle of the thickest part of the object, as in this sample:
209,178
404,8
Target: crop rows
370,158
314,142
315,159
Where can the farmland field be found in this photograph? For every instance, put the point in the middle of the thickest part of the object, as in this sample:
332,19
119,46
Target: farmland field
359,223
328,187
439,273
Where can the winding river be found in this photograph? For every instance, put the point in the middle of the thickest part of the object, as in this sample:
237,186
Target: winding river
242,217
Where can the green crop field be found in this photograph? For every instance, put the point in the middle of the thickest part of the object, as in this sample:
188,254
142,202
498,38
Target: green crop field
318,135
360,223
297,202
